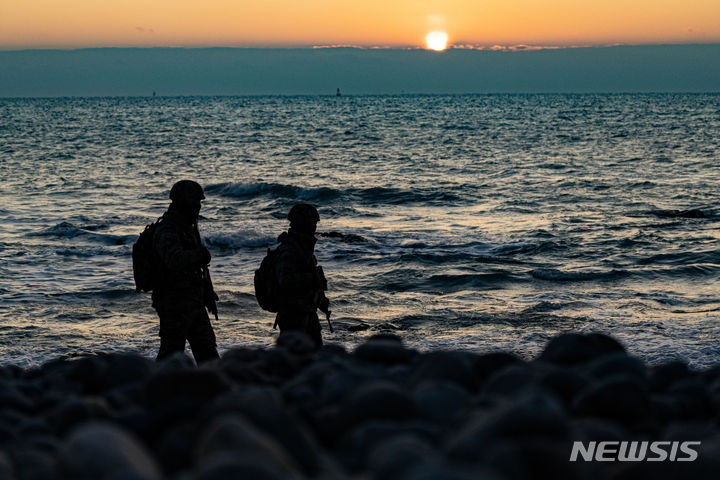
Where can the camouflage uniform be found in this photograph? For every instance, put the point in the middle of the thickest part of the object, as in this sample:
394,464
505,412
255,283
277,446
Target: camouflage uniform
300,285
181,294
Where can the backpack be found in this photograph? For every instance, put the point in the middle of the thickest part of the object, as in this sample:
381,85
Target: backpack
266,284
145,260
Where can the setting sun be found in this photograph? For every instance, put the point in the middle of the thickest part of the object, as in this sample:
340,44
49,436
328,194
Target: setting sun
436,41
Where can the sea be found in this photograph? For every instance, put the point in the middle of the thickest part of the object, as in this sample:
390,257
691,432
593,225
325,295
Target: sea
472,222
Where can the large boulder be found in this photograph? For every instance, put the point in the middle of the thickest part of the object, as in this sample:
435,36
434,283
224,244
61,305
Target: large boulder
234,435
577,348
97,451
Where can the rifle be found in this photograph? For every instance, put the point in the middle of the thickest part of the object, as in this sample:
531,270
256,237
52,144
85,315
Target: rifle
321,300
327,317
210,297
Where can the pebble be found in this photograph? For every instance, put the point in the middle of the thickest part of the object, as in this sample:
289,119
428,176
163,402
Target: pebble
96,451
384,411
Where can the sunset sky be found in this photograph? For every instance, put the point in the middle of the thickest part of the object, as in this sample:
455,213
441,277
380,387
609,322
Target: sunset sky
389,23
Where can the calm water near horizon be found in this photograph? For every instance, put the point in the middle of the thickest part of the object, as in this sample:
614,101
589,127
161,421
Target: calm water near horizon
472,222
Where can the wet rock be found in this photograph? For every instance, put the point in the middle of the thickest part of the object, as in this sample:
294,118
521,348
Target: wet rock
241,466
176,446
30,389
690,430
12,399
6,470
535,413
619,398
10,372
194,386
457,367
490,363
331,350
265,409
233,435
693,398
385,337
356,445
76,410
564,382
440,401
297,343
510,380
662,376
376,399
134,418
176,362
617,364
242,355
280,363
34,465
390,459
126,368
89,373
439,471
34,427
594,429
576,348
535,458
97,451
384,349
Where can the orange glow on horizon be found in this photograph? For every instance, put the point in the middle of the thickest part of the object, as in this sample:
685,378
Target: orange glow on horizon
401,23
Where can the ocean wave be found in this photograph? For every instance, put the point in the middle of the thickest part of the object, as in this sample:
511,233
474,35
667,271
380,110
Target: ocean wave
691,213
682,258
343,237
370,195
235,241
69,231
555,275
524,248
446,283
251,190
79,252
473,281
398,196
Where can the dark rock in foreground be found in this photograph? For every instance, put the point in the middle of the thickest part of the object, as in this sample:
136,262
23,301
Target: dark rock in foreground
383,411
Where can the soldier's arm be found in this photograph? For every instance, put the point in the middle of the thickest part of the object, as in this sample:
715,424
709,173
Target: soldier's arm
168,246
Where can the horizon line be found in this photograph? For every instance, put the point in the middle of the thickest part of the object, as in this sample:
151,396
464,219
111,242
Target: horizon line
518,47
334,95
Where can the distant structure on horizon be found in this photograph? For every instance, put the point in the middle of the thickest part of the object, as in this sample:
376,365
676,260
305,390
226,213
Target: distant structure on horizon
337,94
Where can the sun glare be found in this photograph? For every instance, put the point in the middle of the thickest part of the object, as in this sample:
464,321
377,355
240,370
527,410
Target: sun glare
436,41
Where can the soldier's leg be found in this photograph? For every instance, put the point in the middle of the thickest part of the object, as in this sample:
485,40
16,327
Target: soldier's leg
173,331
313,329
295,322
202,337
290,321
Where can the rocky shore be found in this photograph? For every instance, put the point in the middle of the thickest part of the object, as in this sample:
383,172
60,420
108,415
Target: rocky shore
382,411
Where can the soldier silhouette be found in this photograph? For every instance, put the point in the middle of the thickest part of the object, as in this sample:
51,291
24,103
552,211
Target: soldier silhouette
183,289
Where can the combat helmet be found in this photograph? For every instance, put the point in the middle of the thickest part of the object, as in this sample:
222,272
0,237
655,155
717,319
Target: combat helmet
303,214
186,192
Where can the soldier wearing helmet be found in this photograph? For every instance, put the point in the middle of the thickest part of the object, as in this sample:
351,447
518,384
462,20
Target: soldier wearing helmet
184,289
301,283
